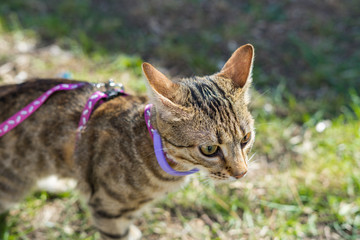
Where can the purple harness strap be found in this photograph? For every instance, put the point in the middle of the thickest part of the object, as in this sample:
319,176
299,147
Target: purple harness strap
88,108
93,100
159,153
26,112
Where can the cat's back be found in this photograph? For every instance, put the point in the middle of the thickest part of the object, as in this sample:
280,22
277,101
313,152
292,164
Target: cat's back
48,135
14,97
44,141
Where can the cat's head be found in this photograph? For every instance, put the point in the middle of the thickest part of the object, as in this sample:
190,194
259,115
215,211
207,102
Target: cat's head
204,122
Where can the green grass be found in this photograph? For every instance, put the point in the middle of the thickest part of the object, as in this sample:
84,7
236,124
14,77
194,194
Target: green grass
303,183
313,55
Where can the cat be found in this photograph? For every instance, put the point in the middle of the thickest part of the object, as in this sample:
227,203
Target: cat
203,122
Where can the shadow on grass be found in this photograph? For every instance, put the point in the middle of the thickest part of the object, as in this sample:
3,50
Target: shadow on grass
3,224
307,46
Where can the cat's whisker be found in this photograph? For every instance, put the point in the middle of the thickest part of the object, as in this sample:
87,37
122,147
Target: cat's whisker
252,167
260,95
249,159
253,162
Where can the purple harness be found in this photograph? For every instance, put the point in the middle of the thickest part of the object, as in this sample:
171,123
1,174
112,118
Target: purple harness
97,97
26,112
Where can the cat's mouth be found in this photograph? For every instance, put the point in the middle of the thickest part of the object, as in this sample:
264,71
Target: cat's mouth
220,177
223,177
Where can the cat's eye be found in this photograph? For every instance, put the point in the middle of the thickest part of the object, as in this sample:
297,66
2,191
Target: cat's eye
245,139
209,150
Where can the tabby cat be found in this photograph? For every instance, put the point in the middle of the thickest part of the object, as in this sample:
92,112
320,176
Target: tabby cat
203,122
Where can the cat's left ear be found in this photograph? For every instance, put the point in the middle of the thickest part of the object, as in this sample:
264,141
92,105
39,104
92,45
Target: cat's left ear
239,67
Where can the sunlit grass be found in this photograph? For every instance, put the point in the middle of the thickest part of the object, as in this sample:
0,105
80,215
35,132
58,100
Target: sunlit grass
303,183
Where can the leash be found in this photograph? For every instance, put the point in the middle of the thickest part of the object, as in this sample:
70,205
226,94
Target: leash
89,107
96,99
27,111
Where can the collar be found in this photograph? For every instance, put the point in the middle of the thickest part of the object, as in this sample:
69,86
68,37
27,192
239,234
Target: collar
158,149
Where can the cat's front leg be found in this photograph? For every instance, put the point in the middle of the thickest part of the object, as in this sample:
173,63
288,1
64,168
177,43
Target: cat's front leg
113,219
115,226
134,233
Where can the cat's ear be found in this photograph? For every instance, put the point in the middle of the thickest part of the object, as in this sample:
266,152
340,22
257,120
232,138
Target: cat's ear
159,83
238,68
164,91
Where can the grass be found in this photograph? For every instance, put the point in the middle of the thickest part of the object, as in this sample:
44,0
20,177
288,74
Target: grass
304,181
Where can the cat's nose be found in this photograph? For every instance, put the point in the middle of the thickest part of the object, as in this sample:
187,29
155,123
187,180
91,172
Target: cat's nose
240,175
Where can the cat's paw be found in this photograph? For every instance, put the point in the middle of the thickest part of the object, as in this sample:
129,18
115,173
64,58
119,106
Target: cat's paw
134,233
54,184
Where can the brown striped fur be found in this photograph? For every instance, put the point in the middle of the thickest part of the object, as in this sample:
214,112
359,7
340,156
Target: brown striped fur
113,161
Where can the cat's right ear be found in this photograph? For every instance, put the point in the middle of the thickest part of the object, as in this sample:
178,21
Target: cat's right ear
163,87
168,93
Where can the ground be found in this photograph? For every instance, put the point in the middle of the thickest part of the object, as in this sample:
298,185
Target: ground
304,181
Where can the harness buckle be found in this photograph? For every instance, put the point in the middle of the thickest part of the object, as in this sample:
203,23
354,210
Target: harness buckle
113,89
112,85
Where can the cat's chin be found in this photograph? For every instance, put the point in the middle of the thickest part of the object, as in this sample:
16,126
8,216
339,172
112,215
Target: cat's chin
228,179
222,180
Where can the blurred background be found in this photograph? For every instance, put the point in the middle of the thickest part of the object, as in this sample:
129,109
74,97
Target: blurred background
304,181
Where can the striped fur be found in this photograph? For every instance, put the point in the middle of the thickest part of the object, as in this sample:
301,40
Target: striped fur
113,161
